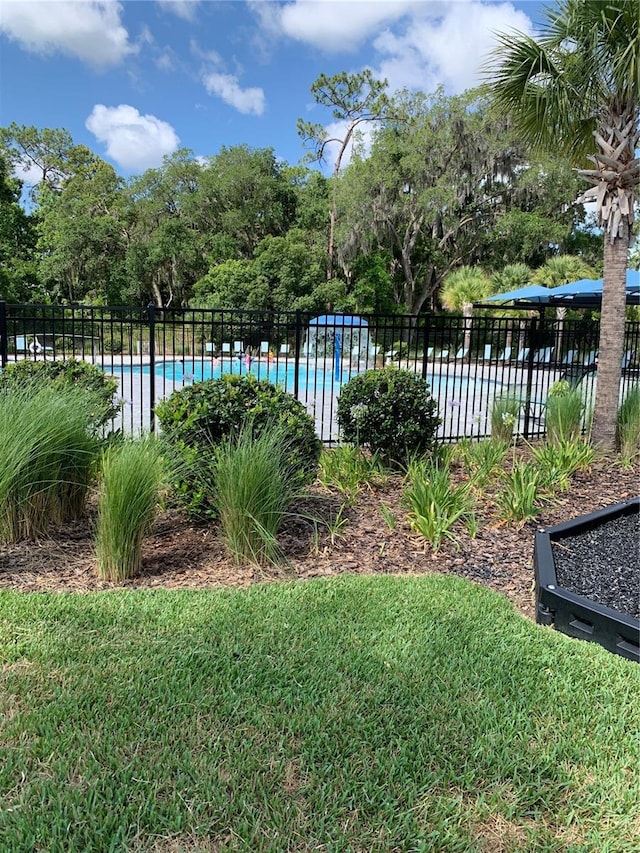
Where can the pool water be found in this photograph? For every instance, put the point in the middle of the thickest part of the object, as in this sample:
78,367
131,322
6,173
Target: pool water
453,390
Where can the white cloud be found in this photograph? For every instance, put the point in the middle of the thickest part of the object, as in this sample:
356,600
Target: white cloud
186,9
447,49
420,44
90,31
334,25
226,86
134,141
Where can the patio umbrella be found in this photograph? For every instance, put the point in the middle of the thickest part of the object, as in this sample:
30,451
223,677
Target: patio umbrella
588,291
531,294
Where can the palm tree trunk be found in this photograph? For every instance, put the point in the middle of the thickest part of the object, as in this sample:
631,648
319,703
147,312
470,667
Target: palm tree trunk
611,344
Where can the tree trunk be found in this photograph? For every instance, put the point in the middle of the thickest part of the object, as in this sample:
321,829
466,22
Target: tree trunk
611,342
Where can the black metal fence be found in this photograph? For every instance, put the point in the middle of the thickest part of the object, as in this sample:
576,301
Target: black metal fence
467,362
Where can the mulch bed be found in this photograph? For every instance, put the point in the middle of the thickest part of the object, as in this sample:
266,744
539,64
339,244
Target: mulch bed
182,555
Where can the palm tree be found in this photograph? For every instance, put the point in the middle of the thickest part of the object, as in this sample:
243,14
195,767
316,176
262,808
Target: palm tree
460,289
577,89
511,277
561,269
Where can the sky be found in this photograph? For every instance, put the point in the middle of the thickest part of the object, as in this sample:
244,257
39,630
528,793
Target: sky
136,80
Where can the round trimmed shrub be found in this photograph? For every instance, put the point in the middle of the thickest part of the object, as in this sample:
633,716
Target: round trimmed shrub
391,412
199,417
68,372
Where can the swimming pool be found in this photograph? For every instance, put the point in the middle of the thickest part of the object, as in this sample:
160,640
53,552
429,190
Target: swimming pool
447,386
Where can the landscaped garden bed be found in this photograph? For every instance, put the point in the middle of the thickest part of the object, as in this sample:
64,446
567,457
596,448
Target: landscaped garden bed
181,554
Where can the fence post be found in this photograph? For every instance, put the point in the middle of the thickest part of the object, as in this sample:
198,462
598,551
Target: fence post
425,344
152,366
3,334
531,340
296,380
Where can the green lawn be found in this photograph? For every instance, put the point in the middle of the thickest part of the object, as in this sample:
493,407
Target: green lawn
355,714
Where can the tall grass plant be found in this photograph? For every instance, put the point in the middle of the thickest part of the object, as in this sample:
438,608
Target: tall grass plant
47,457
129,496
565,415
348,470
255,485
628,426
505,411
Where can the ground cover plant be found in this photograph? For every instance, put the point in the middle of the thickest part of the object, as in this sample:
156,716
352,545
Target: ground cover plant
346,714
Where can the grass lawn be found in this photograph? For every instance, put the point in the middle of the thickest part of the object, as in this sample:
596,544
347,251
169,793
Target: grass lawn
352,714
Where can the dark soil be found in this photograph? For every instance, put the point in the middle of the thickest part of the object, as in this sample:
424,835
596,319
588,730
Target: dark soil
182,555
603,564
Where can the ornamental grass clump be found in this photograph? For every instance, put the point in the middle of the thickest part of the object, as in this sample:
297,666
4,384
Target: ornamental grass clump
255,485
482,460
628,426
47,456
520,492
435,505
565,413
129,495
505,411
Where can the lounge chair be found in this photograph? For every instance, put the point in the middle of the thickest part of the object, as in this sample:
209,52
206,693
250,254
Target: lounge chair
542,356
627,358
284,350
523,355
238,348
506,355
430,352
590,358
226,348
569,358
209,348
391,355
487,352
35,347
463,352
264,348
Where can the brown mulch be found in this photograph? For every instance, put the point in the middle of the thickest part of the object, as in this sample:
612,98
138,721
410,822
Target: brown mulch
182,555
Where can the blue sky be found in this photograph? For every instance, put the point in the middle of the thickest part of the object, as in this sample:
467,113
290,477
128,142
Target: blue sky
135,80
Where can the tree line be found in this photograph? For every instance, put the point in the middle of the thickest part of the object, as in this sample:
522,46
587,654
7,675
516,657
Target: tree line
443,182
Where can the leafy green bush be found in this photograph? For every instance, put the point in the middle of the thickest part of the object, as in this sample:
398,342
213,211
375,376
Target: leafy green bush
68,372
197,418
391,412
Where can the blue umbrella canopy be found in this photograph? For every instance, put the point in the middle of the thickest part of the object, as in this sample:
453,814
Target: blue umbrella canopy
589,290
338,320
532,293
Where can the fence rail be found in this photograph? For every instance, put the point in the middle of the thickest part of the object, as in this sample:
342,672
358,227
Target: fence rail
467,361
